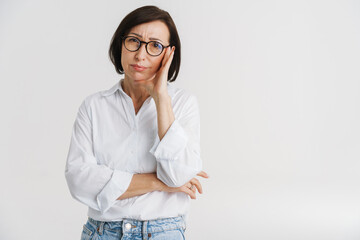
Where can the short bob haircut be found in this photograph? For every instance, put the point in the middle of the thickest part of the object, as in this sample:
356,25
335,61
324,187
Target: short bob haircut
144,15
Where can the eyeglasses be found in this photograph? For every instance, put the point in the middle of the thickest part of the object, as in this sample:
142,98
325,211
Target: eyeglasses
153,48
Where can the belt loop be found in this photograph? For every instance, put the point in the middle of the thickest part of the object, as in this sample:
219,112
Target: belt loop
184,221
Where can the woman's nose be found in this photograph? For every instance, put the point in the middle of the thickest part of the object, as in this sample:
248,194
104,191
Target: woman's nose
141,53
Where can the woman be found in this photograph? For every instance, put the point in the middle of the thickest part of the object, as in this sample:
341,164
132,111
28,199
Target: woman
135,148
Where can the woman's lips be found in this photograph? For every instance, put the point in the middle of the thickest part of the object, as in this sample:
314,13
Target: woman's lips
138,67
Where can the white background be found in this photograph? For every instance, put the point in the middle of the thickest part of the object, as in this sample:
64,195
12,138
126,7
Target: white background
278,84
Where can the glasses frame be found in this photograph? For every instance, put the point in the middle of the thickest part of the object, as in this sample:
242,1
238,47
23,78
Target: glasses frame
146,45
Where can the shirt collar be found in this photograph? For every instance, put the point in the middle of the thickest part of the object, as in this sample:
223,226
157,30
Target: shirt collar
113,89
117,86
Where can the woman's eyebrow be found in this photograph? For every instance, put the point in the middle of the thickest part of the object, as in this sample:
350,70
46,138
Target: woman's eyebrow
149,38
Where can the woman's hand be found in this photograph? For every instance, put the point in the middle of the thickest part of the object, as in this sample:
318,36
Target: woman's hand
189,187
158,86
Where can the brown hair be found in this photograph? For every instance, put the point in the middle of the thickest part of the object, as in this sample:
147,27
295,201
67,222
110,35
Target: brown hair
144,15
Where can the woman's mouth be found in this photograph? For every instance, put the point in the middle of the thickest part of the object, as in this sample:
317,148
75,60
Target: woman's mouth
138,67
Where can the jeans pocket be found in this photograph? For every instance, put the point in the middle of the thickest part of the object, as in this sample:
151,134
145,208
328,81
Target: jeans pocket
87,233
174,234
182,231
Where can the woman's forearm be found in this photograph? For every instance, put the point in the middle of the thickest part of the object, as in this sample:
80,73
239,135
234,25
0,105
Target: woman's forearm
142,183
148,182
165,114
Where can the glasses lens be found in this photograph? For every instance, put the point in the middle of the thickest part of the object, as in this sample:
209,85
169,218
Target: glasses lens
154,48
132,43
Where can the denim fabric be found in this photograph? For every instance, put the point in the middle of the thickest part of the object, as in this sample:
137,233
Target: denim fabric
159,229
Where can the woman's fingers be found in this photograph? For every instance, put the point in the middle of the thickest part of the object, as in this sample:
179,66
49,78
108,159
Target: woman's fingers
189,192
203,174
197,184
190,187
169,54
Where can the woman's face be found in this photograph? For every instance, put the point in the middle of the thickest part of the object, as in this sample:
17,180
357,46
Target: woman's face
140,66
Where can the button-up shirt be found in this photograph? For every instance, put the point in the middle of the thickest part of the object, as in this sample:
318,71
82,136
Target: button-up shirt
110,143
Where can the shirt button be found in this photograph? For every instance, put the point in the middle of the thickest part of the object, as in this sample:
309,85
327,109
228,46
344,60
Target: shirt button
128,226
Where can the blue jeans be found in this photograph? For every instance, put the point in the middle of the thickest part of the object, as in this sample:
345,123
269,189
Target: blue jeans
159,229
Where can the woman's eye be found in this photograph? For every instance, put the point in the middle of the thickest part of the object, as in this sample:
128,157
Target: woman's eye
157,45
133,40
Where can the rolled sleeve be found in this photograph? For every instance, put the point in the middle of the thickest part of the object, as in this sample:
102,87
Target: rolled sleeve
172,144
117,185
91,183
178,152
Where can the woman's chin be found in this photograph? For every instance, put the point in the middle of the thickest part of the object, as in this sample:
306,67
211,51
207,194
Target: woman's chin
139,78
142,79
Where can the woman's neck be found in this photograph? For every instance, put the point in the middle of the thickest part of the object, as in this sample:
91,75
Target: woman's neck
136,93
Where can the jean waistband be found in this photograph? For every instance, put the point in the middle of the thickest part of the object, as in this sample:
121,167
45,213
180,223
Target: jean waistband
142,226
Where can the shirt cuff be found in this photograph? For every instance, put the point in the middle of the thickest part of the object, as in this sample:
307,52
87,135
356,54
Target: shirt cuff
117,185
172,144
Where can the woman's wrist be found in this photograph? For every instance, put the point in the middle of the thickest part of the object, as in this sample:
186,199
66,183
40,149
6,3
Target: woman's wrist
156,183
160,98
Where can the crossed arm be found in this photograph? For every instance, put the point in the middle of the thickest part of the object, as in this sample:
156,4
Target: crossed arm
177,154
148,182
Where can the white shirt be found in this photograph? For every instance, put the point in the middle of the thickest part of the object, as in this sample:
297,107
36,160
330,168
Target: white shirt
110,143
